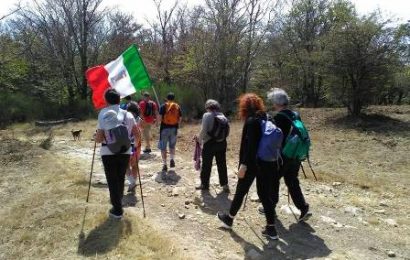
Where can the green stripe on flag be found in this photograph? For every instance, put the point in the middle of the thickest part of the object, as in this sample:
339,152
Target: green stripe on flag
136,68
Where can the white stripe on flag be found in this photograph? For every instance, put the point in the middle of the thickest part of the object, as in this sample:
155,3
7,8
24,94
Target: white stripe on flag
119,78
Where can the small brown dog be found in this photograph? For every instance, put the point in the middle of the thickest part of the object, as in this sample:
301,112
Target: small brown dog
76,134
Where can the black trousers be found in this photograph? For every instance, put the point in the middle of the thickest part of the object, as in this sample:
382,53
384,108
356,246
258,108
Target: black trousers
290,172
210,150
115,167
264,173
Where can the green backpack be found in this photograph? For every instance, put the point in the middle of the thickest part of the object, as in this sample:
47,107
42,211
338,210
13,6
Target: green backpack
297,143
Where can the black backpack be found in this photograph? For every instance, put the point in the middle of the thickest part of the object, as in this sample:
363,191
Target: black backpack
149,109
220,130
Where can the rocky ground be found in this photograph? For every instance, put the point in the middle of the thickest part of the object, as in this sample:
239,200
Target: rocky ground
352,218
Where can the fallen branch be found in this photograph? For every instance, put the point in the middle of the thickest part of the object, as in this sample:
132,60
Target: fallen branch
55,122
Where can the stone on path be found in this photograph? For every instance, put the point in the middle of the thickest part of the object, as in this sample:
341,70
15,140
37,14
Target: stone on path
353,210
391,222
181,216
254,197
336,183
384,203
289,210
327,219
178,191
391,254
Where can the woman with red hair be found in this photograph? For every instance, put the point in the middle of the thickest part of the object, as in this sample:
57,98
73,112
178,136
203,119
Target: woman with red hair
252,112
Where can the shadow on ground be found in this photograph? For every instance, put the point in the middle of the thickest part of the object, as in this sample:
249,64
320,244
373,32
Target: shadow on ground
299,242
129,200
167,178
212,205
371,122
104,238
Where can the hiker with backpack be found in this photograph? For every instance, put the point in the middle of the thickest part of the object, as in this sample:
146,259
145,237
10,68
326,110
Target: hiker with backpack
213,134
133,171
126,101
149,114
171,117
115,126
258,159
295,148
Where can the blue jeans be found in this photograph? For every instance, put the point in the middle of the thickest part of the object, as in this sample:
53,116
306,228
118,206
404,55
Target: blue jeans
167,136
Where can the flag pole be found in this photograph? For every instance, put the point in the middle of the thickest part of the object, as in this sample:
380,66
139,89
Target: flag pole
156,96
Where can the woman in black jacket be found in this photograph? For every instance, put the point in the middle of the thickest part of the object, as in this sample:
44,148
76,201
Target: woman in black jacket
252,111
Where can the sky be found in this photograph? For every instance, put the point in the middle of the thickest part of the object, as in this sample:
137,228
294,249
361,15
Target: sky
145,10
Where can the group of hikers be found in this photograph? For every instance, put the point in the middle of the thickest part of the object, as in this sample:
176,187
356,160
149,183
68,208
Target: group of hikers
270,148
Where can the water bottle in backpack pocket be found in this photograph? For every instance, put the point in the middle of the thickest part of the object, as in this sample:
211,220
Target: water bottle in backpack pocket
269,149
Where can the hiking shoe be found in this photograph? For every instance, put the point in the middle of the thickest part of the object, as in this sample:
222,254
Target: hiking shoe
226,220
172,163
270,233
261,211
115,215
147,150
202,187
131,188
226,189
305,214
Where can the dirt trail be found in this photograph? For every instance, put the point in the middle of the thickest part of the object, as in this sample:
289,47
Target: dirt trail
348,222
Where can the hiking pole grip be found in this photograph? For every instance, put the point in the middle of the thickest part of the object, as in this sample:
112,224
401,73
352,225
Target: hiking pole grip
142,196
91,171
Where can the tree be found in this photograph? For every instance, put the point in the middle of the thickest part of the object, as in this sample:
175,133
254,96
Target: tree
362,52
256,28
303,29
67,28
166,31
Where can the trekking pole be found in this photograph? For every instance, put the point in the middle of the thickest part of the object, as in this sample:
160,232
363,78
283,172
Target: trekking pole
314,174
91,171
246,198
303,170
142,196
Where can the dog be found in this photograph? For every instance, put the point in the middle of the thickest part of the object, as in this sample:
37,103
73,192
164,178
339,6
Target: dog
76,134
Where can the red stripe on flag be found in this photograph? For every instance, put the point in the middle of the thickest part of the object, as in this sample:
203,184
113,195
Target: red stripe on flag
97,78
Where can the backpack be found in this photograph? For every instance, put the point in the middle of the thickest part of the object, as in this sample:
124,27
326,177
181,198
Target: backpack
220,130
119,141
149,109
172,114
270,143
297,143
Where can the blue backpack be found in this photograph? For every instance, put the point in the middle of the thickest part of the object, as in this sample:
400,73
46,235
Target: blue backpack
269,149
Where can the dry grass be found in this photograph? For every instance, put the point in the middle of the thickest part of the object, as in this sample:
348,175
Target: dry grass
371,152
42,198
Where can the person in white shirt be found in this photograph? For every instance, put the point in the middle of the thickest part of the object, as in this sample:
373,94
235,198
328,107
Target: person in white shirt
115,164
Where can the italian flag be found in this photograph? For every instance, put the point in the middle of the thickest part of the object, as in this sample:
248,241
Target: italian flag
126,74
